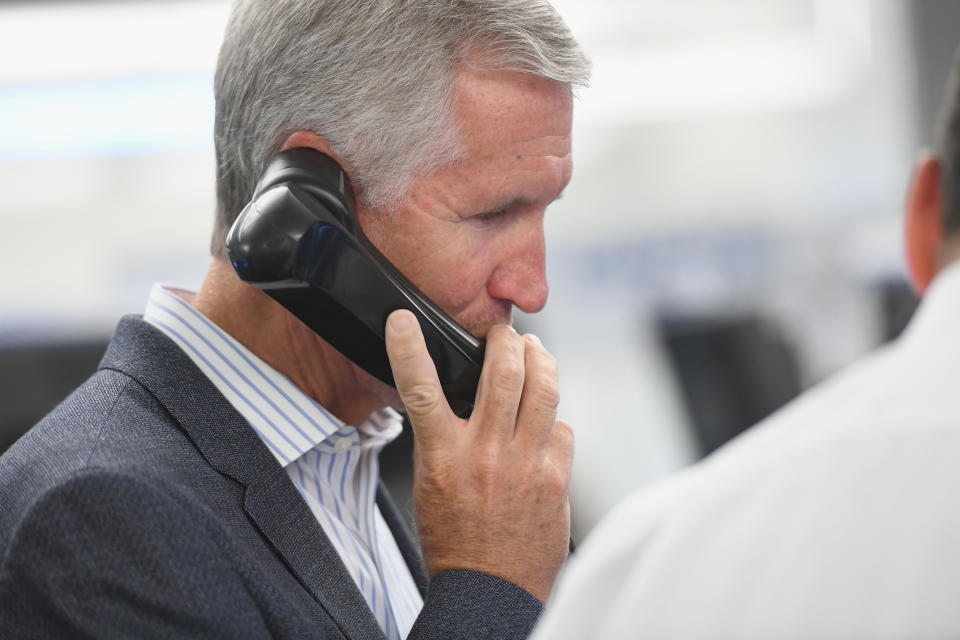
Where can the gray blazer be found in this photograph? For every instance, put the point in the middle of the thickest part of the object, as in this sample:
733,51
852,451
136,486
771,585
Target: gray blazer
144,506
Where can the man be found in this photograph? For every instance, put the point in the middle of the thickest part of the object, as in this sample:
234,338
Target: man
837,517
218,475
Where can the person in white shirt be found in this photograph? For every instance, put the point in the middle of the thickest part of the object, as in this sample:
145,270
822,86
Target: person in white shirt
836,517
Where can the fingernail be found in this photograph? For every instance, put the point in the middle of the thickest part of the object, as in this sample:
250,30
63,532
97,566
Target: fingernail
401,322
533,339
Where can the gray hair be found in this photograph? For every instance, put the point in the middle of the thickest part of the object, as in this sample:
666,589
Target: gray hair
372,77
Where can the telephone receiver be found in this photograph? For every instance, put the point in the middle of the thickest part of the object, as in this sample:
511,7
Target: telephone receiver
299,242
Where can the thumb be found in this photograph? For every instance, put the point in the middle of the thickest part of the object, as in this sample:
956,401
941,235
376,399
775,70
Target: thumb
416,376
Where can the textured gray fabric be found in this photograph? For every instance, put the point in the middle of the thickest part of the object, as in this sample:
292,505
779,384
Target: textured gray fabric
144,506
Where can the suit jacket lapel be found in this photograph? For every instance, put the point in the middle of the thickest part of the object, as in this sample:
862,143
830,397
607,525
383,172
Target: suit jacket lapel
231,447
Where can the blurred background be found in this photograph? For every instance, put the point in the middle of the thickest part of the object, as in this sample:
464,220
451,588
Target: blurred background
732,234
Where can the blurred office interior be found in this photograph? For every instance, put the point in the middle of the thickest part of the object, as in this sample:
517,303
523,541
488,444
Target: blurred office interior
731,235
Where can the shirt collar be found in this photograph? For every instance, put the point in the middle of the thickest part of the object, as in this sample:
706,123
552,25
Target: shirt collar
288,421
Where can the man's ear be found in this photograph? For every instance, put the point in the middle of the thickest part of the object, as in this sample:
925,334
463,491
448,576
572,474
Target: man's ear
311,140
924,224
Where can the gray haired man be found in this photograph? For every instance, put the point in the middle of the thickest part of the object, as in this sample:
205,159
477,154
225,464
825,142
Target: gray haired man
218,475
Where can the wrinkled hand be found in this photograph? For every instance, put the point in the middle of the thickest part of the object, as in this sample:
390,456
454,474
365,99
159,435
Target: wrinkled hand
490,493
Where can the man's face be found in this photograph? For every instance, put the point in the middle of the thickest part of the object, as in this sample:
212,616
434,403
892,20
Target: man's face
470,235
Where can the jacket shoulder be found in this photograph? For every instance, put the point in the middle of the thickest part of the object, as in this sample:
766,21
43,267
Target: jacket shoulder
109,422
103,552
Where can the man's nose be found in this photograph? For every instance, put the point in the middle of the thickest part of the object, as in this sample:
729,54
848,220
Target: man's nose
521,278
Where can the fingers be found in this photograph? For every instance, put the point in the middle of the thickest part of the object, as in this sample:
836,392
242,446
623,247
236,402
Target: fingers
559,450
558,466
501,384
490,494
416,377
541,395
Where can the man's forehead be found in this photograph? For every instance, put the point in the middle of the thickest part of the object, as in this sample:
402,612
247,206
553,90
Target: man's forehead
510,105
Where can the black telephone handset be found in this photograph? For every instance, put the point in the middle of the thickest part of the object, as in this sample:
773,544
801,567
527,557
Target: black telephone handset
298,241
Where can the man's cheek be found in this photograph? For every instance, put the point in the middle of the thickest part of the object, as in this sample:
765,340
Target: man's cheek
451,289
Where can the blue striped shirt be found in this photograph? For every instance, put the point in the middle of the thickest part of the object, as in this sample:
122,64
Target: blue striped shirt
334,466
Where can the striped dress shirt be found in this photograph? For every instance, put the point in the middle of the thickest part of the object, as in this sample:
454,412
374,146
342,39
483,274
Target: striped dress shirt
334,466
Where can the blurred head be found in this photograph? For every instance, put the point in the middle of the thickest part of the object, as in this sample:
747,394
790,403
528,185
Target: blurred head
933,203
374,79
947,148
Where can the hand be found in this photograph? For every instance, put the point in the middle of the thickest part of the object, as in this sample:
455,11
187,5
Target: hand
490,493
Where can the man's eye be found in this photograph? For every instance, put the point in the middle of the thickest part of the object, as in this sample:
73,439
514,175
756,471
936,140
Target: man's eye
486,217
